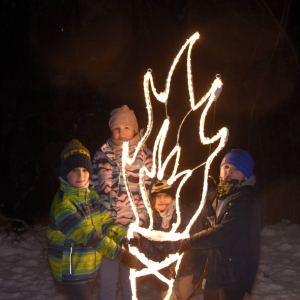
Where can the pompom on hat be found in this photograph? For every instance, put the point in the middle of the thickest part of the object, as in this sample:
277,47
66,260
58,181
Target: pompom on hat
123,116
241,159
75,155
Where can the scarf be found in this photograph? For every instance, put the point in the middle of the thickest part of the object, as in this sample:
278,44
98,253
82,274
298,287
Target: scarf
167,214
227,187
117,144
85,186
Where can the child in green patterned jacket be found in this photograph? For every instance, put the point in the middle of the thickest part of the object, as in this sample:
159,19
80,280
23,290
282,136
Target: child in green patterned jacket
80,230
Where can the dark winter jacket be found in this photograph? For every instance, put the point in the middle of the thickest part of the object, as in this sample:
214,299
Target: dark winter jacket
159,250
192,262
233,241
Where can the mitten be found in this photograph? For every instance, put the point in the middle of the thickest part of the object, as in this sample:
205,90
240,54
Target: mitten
129,260
134,242
184,246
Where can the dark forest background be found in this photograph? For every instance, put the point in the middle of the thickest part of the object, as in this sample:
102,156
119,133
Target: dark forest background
66,64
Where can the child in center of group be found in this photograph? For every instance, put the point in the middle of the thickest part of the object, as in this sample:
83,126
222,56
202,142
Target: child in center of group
164,216
109,183
80,230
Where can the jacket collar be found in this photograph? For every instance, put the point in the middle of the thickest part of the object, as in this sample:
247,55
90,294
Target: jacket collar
108,145
66,187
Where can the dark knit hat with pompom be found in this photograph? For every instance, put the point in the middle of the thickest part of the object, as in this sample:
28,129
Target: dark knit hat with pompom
75,155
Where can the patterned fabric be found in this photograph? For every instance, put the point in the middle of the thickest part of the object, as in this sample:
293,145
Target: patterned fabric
109,182
80,231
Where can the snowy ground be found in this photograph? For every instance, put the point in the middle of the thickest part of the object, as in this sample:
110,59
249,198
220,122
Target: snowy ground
25,273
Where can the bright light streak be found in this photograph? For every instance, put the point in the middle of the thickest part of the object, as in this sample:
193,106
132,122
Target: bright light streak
158,167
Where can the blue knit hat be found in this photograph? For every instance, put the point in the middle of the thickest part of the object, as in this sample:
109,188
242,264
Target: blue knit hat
241,159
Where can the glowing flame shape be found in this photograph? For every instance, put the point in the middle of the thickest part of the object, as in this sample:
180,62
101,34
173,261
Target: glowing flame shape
158,168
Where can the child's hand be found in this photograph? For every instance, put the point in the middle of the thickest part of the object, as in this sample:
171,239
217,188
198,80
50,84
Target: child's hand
129,260
134,242
184,246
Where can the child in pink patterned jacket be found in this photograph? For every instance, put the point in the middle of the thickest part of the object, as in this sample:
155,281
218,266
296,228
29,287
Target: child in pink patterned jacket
109,184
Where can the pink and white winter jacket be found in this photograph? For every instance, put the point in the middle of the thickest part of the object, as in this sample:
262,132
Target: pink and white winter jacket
109,182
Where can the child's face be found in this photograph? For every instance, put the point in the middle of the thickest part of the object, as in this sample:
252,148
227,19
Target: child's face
162,201
123,133
230,171
78,177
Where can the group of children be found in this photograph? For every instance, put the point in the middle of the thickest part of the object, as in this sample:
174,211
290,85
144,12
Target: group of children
91,212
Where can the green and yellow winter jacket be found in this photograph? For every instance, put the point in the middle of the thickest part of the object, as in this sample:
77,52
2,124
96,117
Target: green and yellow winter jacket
80,231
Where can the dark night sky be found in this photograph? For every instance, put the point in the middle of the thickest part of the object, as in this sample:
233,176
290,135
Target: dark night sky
66,64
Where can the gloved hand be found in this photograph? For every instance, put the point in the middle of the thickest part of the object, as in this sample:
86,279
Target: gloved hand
184,246
134,242
129,260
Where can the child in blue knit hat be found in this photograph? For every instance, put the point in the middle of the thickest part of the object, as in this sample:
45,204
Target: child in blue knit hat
232,239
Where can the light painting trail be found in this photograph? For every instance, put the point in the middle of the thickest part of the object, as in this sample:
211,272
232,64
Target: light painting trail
158,167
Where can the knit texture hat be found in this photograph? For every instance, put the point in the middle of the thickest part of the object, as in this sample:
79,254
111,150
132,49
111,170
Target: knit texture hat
241,159
161,186
123,116
75,155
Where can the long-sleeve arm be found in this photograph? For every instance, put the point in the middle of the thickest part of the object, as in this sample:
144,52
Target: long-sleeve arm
228,230
72,224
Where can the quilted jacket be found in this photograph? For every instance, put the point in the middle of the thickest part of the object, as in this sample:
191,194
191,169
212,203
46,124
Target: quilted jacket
109,182
80,231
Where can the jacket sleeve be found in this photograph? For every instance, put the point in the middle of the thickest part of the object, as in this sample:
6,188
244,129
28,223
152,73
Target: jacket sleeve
232,225
142,211
72,224
110,229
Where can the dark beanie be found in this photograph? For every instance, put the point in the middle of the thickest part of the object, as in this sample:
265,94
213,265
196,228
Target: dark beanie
75,155
161,186
241,159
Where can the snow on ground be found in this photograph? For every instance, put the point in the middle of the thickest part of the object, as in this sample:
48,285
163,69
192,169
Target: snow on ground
25,272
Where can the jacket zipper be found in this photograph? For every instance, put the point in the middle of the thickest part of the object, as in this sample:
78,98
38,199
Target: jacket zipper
92,224
71,252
